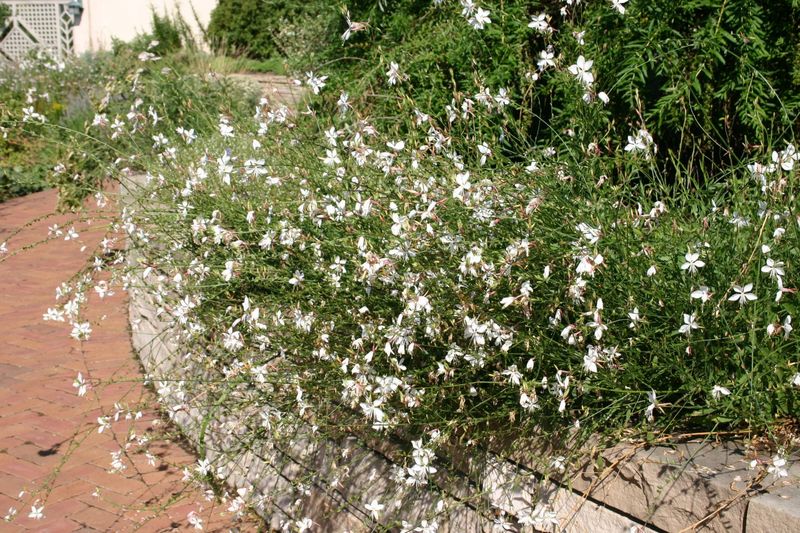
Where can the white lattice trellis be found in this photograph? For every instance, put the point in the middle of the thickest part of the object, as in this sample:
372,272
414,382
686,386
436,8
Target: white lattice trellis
44,25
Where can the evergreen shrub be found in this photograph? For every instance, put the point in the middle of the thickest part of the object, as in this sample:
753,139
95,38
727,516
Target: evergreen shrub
711,80
264,29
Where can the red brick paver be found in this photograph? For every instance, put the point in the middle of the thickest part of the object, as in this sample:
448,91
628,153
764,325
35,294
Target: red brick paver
50,447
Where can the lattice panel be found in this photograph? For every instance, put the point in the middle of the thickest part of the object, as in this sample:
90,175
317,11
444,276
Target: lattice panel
44,25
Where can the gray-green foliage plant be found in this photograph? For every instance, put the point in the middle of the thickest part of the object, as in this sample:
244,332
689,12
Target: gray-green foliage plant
395,287
502,278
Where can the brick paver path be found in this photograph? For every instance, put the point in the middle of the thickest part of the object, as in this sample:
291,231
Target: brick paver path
49,441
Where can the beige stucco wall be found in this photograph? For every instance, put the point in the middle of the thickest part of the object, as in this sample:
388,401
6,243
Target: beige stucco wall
124,19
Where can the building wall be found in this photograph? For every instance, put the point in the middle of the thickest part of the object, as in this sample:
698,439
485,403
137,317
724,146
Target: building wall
124,19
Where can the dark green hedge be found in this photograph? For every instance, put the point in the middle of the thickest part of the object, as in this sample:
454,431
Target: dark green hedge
710,78
252,28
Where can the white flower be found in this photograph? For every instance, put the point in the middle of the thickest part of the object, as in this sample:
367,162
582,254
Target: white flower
467,7
352,27
649,412
373,411
739,221
81,332
480,19
187,135
546,59
393,74
796,380
227,274
315,82
702,293
80,384
787,326
71,235
786,158
743,294
374,508
774,269
530,402
343,103
542,517
225,129
719,391
689,324
618,5
513,374
203,466
541,23
590,360
581,70
635,318
651,271
195,520
331,158
640,143
501,98
485,152
693,262
297,279
100,120
36,512
589,233
103,423
232,340
777,468
304,525
396,146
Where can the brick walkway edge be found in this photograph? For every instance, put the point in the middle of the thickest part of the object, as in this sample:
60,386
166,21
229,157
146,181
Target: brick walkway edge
51,453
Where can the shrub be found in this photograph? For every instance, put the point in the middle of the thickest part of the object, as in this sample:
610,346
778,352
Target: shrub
167,35
705,77
440,269
5,12
398,287
264,29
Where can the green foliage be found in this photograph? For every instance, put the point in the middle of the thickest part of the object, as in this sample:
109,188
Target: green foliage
166,36
78,104
19,177
263,29
30,150
447,279
167,33
708,78
5,12
471,256
243,27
